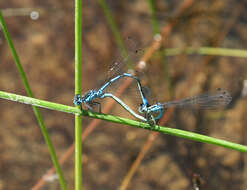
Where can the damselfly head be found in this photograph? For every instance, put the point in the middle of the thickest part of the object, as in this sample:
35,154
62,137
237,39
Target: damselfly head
77,100
140,109
143,108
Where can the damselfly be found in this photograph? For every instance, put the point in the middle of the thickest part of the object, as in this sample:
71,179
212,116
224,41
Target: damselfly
154,112
89,98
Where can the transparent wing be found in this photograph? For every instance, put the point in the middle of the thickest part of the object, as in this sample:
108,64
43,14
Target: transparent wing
122,63
128,59
205,101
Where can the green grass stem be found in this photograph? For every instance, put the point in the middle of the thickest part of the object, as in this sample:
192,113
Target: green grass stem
114,28
35,109
124,121
207,51
155,22
78,87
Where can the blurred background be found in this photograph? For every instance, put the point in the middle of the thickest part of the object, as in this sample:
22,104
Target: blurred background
43,34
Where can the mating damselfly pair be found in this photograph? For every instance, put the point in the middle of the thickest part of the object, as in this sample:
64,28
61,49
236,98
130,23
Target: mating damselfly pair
147,112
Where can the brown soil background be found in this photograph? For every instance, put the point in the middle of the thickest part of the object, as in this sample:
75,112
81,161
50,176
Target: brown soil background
46,49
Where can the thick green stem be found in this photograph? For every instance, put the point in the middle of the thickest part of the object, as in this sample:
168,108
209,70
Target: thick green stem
125,121
78,82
